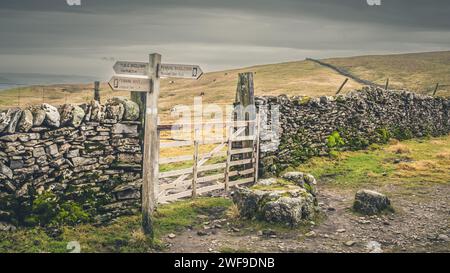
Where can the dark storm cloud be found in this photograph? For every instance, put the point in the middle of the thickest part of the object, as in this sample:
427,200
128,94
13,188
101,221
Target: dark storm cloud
218,34
410,13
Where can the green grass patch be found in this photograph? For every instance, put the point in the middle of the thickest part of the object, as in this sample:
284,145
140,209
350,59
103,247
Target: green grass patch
179,215
123,235
411,163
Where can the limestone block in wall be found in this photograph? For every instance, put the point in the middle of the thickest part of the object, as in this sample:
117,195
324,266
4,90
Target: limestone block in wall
5,170
131,109
26,121
121,128
82,161
38,115
114,110
52,150
5,118
15,116
71,115
52,117
129,158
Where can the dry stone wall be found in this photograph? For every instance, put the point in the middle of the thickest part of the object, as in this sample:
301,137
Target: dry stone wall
320,126
78,159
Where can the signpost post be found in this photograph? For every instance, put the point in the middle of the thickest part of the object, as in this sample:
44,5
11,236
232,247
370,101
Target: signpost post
143,80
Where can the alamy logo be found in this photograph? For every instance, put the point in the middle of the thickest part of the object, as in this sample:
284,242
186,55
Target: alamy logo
374,2
73,2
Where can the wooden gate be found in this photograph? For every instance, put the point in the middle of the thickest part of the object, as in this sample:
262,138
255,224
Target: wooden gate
231,166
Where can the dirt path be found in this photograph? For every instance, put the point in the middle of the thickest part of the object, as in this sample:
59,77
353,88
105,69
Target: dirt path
420,224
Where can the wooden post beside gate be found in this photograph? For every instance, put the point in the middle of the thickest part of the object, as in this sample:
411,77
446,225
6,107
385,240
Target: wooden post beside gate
143,80
227,166
195,170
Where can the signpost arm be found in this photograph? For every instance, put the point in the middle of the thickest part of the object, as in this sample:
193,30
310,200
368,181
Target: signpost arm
150,162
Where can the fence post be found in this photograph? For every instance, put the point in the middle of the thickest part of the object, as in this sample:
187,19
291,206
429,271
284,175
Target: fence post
97,91
245,96
436,89
387,84
342,86
195,169
256,149
227,167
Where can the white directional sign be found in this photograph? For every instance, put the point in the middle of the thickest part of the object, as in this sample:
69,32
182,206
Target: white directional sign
136,84
131,68
180,71
132,76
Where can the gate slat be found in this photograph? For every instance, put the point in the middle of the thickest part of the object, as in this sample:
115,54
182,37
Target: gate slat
241,151
240,162
175,144
175,173
204,179
242,181
188,193
174,159
243,138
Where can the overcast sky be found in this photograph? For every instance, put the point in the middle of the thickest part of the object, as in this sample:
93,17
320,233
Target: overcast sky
49,36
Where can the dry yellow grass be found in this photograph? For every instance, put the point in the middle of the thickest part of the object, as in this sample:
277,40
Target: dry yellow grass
421,165
292,78
445,155
393,141
399,148
138,236
233,212
418,72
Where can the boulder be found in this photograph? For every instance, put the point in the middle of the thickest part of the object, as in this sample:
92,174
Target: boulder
26,121
289,210
267,182
52,117
277,201
305,181
371,202
248,201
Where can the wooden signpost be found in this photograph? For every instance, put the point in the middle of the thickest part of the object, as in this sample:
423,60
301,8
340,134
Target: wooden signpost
143,80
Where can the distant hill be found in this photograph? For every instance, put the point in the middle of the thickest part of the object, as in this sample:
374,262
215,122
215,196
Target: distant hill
418,72
26,79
